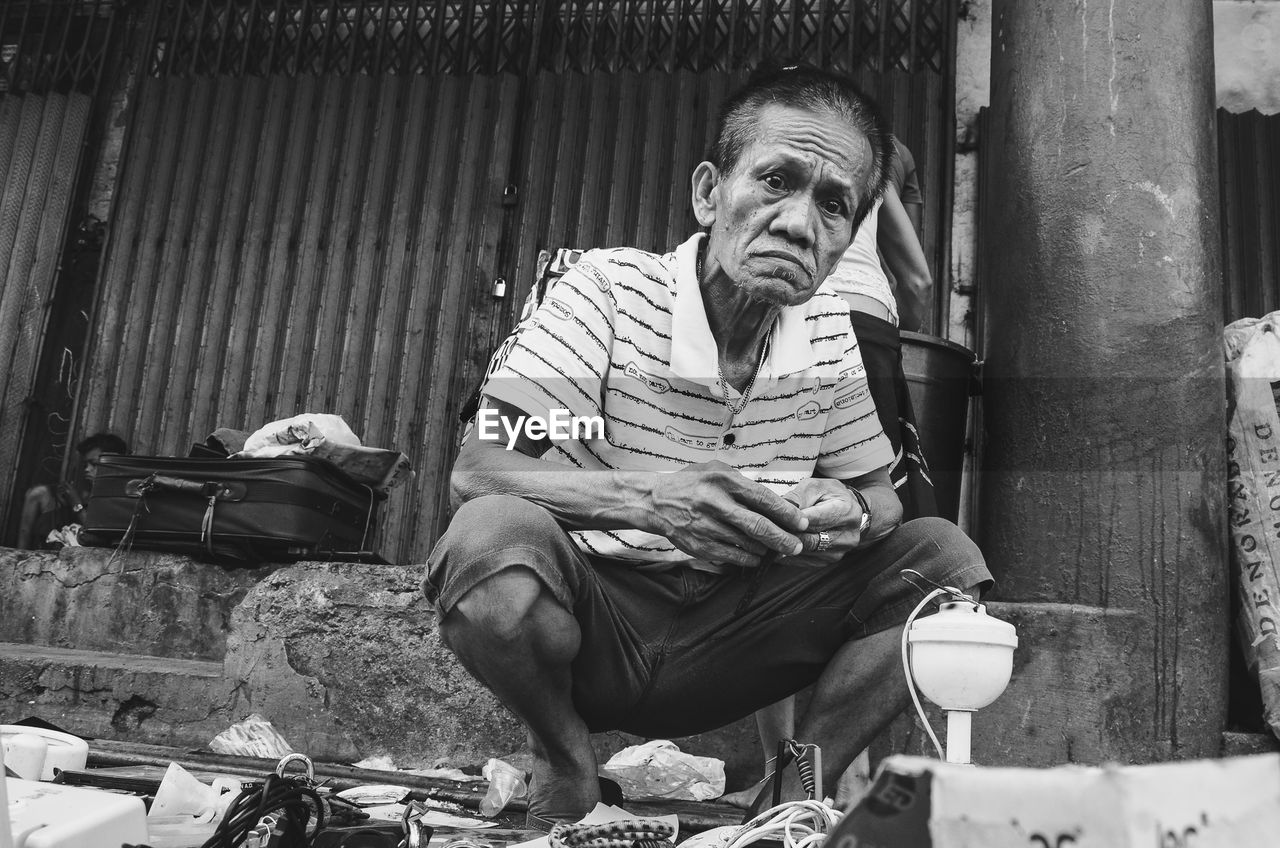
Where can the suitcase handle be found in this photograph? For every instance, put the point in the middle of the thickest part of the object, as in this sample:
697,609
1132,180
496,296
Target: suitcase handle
211,490
224,491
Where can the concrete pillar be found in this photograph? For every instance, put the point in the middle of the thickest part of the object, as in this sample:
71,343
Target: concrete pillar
1104,473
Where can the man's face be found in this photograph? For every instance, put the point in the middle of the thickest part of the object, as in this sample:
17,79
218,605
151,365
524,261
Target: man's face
781,219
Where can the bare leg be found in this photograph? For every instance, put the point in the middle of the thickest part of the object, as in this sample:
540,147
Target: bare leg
775,723
516,639
862,689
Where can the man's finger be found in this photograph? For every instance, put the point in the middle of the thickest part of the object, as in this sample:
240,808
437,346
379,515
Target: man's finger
756,526
838,542
829,513
771,505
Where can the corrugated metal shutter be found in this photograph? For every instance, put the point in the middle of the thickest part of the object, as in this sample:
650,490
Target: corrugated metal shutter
316,199
40,141
1249,163
288,245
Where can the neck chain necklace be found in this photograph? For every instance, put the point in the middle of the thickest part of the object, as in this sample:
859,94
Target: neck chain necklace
746,393
724,384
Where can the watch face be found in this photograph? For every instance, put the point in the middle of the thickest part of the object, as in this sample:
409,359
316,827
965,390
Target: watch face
866,522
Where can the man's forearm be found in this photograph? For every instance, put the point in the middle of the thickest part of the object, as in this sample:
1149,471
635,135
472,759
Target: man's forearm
708,510
580,500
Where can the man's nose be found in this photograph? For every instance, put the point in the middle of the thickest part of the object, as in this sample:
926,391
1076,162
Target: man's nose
795,219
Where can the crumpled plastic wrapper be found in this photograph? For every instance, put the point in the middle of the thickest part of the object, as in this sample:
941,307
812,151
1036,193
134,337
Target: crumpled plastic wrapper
659,770
67,537
183,794
301,434
253,737
328,436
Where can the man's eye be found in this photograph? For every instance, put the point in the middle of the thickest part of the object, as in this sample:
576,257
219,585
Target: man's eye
775,181
833,207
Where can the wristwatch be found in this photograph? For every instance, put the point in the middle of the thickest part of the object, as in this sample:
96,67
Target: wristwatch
866,510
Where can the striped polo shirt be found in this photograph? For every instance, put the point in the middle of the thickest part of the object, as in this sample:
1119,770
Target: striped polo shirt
623,335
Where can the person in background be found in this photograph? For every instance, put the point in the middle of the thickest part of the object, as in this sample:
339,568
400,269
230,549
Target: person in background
907,182
49,510
884,277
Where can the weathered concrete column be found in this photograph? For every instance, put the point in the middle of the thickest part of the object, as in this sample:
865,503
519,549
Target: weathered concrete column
1104,474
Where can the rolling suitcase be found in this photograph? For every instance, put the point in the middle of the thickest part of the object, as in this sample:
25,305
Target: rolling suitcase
282,509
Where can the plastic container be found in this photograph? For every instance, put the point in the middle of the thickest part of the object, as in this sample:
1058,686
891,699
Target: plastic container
179,831
941,376
62,751
962,658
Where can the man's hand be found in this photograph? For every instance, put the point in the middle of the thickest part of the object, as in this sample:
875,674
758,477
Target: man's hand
832,508
712,512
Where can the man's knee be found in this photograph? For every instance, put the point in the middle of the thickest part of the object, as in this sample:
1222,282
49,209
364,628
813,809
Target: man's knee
498,558
499,604
944,554
936,537
511,613
480,522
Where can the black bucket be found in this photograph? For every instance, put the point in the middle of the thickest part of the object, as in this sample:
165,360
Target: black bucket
941,376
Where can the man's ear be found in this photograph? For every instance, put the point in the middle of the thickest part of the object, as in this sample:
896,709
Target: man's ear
705,179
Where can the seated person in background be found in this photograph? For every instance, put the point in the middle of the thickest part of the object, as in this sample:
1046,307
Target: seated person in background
722,533
886,251
46,508
906,181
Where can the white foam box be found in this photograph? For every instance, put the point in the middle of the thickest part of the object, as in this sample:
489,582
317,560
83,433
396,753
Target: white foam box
49,815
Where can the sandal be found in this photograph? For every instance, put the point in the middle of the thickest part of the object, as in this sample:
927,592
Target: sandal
610,793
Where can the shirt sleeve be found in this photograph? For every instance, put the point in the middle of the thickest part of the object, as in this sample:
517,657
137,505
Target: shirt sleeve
556,362
854,442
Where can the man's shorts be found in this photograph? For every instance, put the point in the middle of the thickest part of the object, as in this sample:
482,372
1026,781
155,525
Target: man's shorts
663,653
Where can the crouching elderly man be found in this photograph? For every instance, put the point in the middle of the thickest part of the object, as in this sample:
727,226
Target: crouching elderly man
731,536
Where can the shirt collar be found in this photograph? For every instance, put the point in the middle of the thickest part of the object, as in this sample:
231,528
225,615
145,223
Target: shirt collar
693,348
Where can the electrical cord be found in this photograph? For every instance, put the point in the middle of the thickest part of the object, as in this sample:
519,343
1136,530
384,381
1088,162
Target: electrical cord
285,804
906,656
796,824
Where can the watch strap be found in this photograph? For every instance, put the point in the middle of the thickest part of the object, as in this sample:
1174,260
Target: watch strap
866,510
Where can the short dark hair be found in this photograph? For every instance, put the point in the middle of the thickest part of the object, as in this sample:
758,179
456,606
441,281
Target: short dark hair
105,442
803,87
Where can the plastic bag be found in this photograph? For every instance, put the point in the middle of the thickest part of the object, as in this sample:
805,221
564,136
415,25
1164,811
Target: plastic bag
253,737
1252,348
660,770
301,434
506,782
327,436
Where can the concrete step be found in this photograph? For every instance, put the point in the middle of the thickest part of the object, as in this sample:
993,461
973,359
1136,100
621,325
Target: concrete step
141,601
107,695
1236,744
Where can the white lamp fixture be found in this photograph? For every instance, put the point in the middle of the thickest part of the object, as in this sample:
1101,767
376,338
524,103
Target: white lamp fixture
961,659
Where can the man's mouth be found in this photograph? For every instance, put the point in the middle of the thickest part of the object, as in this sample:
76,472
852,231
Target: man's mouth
790,260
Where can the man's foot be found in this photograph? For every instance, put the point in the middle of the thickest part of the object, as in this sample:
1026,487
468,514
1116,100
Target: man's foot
610,794
760,798
742,799
563,791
